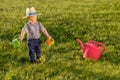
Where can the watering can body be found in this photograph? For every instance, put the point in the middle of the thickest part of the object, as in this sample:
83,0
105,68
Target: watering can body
16,42
93,50
50,41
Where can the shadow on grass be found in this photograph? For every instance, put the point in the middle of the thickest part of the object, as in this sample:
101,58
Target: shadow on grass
113,59
71,73
14,59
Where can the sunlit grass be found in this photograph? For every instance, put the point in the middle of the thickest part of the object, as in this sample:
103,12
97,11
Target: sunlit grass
65,20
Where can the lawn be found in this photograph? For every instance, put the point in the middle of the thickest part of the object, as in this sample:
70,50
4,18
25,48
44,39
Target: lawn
65,20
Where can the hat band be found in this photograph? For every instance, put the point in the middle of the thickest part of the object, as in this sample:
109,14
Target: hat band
33,13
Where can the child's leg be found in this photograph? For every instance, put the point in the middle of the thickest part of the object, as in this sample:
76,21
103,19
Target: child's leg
31,48
31,55
37,52
37,49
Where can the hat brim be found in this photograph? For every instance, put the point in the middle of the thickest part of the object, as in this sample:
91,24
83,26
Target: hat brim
31,15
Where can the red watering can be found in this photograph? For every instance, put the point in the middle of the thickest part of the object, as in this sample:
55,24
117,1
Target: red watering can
93,49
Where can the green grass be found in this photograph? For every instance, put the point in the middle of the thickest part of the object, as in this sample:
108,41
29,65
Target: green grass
65,20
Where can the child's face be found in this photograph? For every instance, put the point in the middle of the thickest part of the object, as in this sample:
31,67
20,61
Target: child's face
33,19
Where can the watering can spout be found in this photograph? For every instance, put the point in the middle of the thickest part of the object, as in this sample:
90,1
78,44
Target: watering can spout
81,44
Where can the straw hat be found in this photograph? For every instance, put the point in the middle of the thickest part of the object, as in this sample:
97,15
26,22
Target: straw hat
30,12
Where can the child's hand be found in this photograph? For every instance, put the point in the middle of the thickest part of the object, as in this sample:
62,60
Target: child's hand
21,35
20,38
49,37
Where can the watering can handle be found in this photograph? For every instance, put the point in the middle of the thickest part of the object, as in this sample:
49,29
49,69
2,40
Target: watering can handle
99,43
16,36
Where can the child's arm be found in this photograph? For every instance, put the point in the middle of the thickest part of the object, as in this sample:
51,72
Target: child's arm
46,33
21,37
